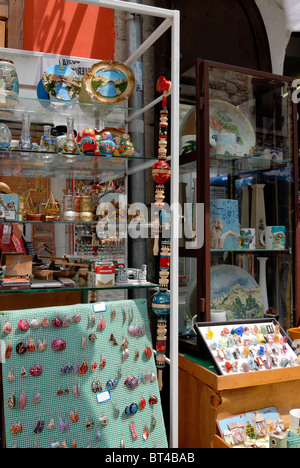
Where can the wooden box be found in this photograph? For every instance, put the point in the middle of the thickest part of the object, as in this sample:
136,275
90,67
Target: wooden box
205,397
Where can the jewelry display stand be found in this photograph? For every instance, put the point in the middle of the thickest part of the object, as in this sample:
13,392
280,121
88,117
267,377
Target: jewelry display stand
109,349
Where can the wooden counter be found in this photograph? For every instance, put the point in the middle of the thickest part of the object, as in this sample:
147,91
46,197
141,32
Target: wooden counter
205,397
15,301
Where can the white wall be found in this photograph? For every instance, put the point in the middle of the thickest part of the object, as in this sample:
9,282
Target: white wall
274,18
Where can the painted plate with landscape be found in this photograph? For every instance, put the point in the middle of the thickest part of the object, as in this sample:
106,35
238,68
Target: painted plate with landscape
233,289
224,116
109,82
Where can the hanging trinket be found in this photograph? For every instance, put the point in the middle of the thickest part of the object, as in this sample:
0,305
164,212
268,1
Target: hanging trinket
35,323
37,398
133,430
76,318
23,400
23,372
31,346
146,433
98,435
11,401
66,322
103,362
10,376
8,351
92,337
7,328
83,342
45,323
74,416
57,322
51,426
124,343
23,325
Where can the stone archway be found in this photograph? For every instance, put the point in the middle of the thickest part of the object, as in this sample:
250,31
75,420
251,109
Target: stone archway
227,31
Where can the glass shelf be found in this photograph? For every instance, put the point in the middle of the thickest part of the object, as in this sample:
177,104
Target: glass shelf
83,289
63,165
48,111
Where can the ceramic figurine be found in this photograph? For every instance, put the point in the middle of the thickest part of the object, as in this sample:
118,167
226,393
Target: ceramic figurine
107,144
86,141
125,147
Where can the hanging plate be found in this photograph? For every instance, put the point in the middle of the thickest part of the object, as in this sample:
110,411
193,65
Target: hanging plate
61,82
107,82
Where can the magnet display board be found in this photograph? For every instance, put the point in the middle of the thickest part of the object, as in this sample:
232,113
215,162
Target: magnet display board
59,385
246,346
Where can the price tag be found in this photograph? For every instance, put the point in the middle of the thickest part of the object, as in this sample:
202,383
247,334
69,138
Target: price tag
102,397
99,307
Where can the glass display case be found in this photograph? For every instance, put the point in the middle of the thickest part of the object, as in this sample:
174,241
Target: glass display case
238,192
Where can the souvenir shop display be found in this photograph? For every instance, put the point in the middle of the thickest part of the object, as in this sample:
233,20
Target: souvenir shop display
247,346
80,375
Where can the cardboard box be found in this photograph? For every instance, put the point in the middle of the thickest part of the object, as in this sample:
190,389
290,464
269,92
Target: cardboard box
17,265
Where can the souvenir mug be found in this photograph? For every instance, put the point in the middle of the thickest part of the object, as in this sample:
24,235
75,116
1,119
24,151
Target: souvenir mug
226,143
247,239
295,420
273,237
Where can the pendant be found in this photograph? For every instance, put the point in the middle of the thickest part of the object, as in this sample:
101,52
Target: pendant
10,376
35,323
92,337
133,430
113,314
57,322
8,351
142,403
51,426
104,420
103,362
40,346
153,400
146,433
123,443
83,342
76,318
7,328
64,444
45,323
153,422
124,315
23,372
37,398
93,367
11,401
67,321
31,346
74,444
74,416
137,354
125,355
98,435
124,343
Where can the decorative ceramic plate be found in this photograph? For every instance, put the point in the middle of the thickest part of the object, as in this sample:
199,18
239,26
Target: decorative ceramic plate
61,82
108,82
225,116
233,289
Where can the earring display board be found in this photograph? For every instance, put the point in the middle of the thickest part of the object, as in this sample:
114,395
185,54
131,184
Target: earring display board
80,376
246,346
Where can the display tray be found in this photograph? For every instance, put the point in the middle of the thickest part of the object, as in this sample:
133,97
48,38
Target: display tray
242,347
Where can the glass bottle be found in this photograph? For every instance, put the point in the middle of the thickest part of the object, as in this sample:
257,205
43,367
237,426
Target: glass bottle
47,141
25,142
70,143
